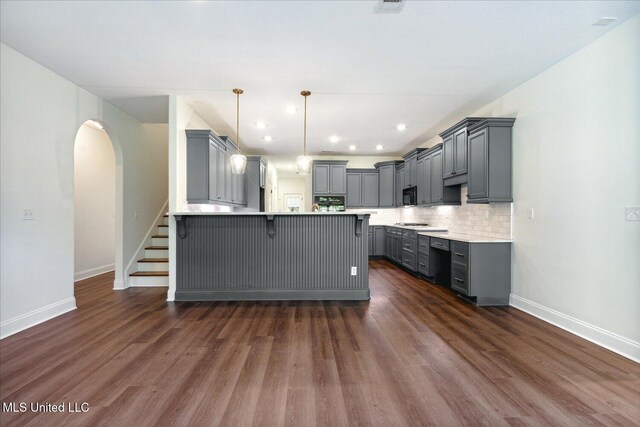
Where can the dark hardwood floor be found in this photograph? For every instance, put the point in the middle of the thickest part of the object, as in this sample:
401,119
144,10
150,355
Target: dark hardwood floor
413,355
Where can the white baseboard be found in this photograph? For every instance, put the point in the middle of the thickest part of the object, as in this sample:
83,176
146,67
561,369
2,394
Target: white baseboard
616,343
32,318
171,295
91,272
119,285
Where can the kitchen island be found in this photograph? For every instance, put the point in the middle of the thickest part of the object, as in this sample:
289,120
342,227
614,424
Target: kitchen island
237,256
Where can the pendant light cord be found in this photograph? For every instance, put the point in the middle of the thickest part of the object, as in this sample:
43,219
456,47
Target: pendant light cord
305,126
238,120
238,92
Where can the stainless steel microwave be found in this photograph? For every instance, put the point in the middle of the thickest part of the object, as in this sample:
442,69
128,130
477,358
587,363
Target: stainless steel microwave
410,196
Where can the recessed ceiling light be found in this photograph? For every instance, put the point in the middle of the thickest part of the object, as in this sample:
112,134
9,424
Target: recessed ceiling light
378,147
604,21
268,138
291,109
334,139
261,125
352,147
401,127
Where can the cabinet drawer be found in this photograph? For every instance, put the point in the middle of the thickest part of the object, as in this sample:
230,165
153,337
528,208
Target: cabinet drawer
423,264
439,243
460,252
410,234
459,280
423,245
409,260
409,245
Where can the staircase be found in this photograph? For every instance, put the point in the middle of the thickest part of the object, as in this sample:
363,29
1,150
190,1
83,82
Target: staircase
153,269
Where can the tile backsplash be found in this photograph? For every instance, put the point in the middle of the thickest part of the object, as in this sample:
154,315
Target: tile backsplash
487,220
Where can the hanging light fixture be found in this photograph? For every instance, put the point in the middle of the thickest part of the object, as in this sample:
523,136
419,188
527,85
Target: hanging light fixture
238,161
304,161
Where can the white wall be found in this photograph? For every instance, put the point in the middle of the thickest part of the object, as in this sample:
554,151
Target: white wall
95,202
291,185
41,113
577,164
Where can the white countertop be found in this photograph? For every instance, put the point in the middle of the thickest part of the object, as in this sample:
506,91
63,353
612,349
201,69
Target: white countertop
468,238
412,227
189,213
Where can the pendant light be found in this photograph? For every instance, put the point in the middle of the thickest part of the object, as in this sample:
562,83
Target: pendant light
238,161
304,161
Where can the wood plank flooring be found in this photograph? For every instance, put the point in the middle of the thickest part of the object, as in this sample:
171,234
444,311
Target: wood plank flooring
413,355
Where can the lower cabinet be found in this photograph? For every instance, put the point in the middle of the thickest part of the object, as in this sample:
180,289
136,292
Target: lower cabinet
480,272
377,241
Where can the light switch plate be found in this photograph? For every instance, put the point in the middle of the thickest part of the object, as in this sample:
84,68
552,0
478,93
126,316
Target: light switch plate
27,215
632,214
354,271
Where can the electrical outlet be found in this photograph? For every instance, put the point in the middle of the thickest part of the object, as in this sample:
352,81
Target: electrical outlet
27,215
632,214
354,271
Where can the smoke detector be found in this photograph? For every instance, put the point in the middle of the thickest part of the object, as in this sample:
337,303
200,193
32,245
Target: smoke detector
389,6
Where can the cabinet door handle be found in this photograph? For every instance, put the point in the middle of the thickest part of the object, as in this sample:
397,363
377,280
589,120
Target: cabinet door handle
439,244
459,254
422,264
459,280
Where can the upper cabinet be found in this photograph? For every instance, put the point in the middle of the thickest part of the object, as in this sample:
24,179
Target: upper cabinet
489,176
386,183
255,183
329,177
455,151
431,187
209,177
400,169
411,168
205,183
362,188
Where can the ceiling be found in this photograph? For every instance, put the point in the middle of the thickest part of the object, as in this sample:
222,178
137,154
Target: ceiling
428,65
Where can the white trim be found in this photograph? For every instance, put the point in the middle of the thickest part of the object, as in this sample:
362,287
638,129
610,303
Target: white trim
139,253
616,343
32,318
118,285
171,295
91,272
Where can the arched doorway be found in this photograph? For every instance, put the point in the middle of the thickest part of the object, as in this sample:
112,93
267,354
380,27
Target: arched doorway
98,203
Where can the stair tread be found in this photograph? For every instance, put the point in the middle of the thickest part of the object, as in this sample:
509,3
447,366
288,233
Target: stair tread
157,247
150,273
162,225
154,260
160,236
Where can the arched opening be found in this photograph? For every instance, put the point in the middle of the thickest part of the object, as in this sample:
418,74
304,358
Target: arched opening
98,203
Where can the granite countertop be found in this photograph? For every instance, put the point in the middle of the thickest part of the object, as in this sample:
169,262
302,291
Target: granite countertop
189,213
468,238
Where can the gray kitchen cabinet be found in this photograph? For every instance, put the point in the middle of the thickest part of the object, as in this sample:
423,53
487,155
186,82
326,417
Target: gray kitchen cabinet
329,177
206,154
490,164
482,271
431,189
254,183
320,177
399,183
362,188
386,183
370,189
377,241
393,244
354,189
411,167
455,151
235,185
221,173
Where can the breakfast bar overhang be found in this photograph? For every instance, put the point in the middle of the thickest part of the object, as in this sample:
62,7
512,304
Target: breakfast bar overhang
236,256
